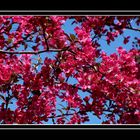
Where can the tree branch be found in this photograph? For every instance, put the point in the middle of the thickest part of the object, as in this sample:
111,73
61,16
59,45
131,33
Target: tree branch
33,52
121,27
67,114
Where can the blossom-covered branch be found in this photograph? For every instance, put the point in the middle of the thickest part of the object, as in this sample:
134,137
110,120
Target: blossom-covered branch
33,52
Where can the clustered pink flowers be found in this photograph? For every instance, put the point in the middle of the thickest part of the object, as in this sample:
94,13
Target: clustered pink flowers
38,86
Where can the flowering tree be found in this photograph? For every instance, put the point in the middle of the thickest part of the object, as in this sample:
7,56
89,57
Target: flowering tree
38,85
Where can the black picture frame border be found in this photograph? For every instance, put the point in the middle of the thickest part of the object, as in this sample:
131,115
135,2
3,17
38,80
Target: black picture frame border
80,126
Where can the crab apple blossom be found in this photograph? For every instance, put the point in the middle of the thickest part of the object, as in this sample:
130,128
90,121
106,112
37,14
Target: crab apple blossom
48,75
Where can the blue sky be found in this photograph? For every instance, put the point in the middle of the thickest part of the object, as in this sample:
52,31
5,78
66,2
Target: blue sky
68,28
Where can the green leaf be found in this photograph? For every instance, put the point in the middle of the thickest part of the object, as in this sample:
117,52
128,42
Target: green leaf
25,46
72,37
9,28
9,40
137,58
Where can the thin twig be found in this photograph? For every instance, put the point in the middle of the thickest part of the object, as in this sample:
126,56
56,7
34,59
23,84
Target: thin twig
121,27
68,114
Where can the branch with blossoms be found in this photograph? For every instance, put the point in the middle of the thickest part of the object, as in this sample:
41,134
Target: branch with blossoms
33,52
127,27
